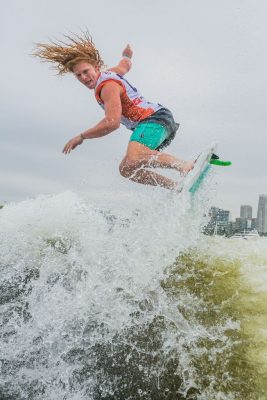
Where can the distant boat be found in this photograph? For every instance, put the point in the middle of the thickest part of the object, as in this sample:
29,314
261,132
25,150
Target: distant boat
246,235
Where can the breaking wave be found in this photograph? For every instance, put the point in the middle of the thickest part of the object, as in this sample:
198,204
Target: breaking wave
128,300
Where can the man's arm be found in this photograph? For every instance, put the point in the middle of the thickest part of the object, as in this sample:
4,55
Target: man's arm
110,95
125,63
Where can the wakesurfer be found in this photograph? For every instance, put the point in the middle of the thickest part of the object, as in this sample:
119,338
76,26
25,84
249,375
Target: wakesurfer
152,125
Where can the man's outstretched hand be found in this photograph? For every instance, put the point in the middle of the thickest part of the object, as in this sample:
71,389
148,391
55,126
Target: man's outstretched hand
74,142
127,52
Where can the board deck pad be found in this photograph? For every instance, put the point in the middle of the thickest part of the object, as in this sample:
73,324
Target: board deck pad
197,175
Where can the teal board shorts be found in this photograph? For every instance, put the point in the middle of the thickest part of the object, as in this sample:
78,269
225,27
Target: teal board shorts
156,131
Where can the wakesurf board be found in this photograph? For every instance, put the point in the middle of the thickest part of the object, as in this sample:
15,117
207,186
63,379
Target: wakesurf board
197,175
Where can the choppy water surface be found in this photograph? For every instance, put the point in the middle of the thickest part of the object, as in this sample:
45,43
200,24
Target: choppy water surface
128,301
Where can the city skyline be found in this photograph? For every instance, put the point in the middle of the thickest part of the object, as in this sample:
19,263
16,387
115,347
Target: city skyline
221,223
249,208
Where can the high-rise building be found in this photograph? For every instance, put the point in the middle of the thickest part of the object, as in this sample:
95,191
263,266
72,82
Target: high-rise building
262,214
246,212
241,224
218,221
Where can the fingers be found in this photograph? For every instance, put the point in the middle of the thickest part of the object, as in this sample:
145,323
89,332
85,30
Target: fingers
74,142
68,147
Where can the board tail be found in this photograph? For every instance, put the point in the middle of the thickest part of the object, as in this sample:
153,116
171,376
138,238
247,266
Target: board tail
200,179
202,166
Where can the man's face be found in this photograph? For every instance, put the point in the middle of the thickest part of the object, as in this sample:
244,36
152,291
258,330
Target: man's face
86,74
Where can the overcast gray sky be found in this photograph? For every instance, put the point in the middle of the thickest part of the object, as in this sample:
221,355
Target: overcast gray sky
206,60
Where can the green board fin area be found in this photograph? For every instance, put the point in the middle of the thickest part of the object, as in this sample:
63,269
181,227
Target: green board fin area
215,160
220,162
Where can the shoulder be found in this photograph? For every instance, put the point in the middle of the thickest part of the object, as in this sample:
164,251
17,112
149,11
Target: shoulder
108,83
110,91
108,77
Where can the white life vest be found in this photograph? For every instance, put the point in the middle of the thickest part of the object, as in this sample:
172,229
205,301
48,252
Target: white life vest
135,107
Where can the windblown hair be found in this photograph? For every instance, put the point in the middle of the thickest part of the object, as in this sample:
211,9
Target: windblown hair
67,54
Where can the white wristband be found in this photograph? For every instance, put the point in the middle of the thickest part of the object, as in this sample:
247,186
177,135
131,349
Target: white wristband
125,56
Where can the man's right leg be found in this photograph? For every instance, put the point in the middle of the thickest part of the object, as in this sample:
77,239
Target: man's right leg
140,157
146,177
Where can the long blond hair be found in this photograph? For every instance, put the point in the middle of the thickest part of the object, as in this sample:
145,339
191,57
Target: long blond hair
67,54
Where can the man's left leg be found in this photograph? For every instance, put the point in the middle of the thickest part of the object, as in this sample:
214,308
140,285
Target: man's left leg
140,157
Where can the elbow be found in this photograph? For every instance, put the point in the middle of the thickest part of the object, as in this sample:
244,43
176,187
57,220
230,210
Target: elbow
127,70
113,123
117,125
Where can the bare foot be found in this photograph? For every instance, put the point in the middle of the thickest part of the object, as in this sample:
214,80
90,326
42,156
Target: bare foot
187,167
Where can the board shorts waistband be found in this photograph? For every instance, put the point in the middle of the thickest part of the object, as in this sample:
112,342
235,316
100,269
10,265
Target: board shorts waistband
157,131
